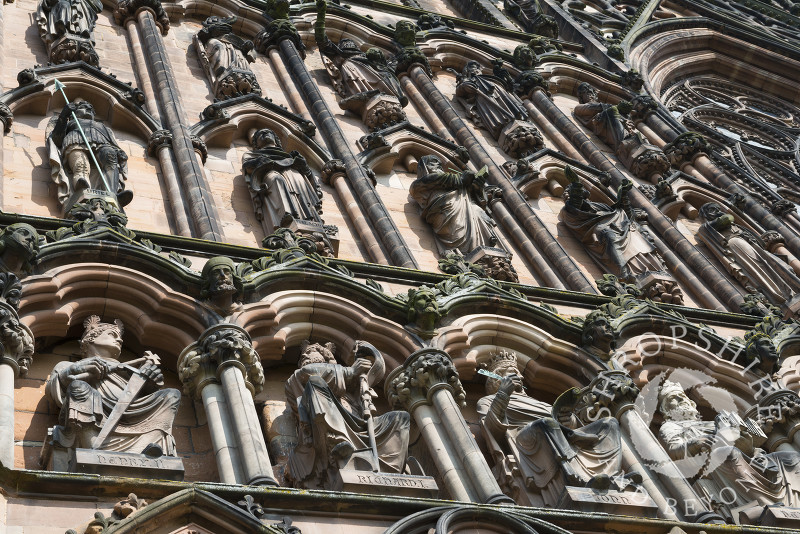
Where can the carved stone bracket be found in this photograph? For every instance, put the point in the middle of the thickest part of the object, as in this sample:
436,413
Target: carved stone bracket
686,147
642,107
424,372
220,346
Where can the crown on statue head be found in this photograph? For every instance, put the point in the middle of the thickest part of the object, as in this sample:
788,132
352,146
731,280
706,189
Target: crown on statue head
502,359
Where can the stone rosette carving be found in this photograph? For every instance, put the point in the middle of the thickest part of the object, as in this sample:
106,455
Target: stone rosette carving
423,372
220,346
686,147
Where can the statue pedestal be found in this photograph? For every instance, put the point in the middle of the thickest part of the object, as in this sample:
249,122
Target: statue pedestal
780,516
126,464
86,194
660,287
381,111
495,261
326,235
608,501
388,483
520,138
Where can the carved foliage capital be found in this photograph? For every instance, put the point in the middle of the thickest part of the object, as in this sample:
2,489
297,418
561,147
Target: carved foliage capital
220,346
128,9
200,147
16,339
642,106
424,372
332,168
6,117
686,147
158,139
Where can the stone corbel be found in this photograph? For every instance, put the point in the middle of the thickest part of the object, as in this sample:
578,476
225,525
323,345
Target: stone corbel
427,385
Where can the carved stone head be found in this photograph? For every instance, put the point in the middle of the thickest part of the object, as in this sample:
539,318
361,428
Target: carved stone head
405,33
586,93
428,165
265,138
599,336
83,110
761,349
711,211
101,339
19,245
503,363
674,404
472,68
219,278
524,58
316,353
376,56
422,309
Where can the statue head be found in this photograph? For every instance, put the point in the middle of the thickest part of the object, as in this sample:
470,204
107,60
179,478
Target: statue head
586,93
599,336
83,109
503,363
761,349
472,68
19,245
624,107
265,138
215,26
405,33
316,353
428,165
524,58
422,308
576,193
349,46
219,279
101,339
674,404
376,56
711,211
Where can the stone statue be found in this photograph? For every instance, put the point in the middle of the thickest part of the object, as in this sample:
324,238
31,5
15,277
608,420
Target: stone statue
332,404
365,82
614,238
599,337
744,256
282,186
612,125
490,101
226,59
19,246
67,28
452,204
72,167
221,286
88,390
724,454
550,456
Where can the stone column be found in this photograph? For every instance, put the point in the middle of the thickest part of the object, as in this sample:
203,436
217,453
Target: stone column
6,118
613,394
160,145
152,22
16,342
554,254
427,385
224,370
380,219
701,273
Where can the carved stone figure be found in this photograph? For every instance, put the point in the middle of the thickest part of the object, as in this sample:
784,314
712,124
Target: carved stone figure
490,102
617,241
550,457
332,404
221,286
744,256
452,204
226,59
724,454
67,28
282,186
422,311
88,390
598,336
72,167
611,124
19,246
365,82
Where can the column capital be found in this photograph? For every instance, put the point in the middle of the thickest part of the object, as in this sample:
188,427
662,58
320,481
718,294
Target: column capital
334,167
219,347
128,9
643,107
424,372
610,394
199,147
158,140
16,339
686,147
6,117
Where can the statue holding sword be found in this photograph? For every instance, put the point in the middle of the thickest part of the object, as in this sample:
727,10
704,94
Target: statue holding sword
109,405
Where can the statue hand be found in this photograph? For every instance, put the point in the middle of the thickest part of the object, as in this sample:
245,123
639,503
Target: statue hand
95,367
153,373
509,384
701,445
361,366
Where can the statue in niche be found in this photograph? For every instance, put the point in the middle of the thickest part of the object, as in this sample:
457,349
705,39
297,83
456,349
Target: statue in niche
72,166
617,240
453,204
724,454
548,455
283,189
19,246
67,28
91,390
226,59
366,82
332,404
221,286
744,256
612,125
489,100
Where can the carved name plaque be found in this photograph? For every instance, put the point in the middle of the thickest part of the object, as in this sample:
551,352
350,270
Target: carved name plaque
127,464
610,501
780,516
369,482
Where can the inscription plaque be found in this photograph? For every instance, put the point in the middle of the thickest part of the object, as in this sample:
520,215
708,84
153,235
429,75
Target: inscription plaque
610,501
127,464
397,484
780,516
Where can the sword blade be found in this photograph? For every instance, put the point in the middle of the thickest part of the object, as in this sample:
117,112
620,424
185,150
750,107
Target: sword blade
133,388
